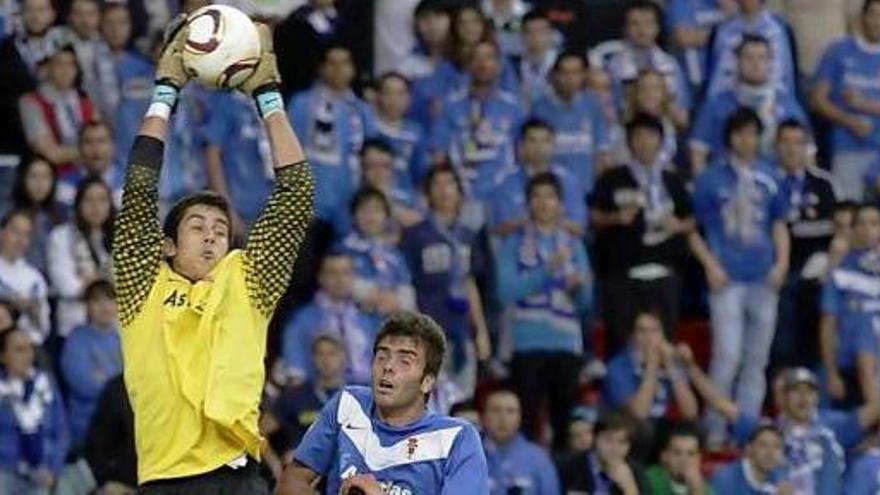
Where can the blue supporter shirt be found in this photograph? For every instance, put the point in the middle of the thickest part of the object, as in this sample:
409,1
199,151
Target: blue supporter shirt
509,201
343,320
478,135
545,315
409,143
693,14
520,467
235,127
739,232
426,85
863,478
581,132
376,264
90,358
434,455
625,374
332,129
852,296
135,75
736,478
852,64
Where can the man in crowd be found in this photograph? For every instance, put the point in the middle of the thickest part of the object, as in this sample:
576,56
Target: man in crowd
679,470
760,469
97,153
539,54
405,136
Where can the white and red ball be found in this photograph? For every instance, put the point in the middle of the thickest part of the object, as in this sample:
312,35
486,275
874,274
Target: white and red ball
223,46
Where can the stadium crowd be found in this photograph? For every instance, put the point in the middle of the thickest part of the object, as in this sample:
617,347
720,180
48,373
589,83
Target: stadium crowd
649,229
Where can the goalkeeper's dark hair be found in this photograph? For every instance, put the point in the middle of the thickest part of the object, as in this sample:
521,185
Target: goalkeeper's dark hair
203,198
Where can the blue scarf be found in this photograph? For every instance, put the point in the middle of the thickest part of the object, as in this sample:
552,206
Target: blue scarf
459,272
29,400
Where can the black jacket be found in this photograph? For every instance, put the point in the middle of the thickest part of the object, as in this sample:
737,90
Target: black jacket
576,477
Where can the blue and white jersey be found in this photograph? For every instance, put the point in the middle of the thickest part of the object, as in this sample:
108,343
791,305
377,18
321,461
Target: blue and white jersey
729,34
623,379
773,105
376,263
426,85
235,127
184,169
626,62
703,14
520,467
864,476
478,135
852,64
737,206
581,132
454,79
509,200
435,455
332,129
409,143
135,75
852,296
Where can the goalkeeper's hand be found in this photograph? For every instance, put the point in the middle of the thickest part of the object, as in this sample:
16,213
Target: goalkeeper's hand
170,69
266,73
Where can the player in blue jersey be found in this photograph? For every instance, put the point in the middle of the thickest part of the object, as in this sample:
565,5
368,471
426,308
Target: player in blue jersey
382,439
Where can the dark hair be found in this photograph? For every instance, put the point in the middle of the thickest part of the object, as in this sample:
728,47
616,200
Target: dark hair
328,338
536,14
436,171
459,407
99,288
393,75
15,212
788,125
334,253
867,5
751,39
616,420
376,143
534,123
688,429
860,207
543,179
765,426
646,5
421,328
643,121
325,53
430,7
178,211
846,204
742,118
557,64
13,311
368,193
93,124
106,227
21,199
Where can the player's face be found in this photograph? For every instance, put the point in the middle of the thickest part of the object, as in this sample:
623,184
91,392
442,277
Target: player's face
537,146
485,66
642,28
394,98
765,451
544,205
469,26
338,69
443,194
329,360
570,76
371,217
399,381
502,417
580,436
651,93
871,23
38,181
96,149
94,209
37,15
116,27
18,354
538,35
744,143
62,70
801,402
202,241
612,446
85,18
337,277
378,168
15,238
433,28
682,452
102,311
645,145
754,63
867,228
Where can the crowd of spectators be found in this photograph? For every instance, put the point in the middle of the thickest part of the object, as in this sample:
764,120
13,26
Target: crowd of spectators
649,229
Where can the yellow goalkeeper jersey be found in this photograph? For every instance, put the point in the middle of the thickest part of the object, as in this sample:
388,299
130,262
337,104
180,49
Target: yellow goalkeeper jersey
194,352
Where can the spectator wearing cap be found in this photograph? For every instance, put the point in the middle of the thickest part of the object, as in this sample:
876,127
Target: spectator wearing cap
753,18
332,311
539,54
544,279
91,357
296,408
406,137
690,24
738,203
97,154
581,429
679,470
752,88
847,307
640,51
34,438
21,283
811,197
333,123
607,467
477,129
382,283
642,215
846,93
759,471
577,118
508,210
515,464
378,172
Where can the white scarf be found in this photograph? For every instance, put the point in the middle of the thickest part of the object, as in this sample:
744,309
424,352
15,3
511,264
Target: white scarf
29,412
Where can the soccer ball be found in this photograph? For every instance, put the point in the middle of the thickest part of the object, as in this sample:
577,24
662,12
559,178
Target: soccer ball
222,48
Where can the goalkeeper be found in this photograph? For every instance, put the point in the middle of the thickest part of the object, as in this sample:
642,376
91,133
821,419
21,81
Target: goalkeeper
194,314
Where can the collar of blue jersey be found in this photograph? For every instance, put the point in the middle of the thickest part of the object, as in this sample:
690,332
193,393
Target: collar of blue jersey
749,474
325,92
867,46
557,99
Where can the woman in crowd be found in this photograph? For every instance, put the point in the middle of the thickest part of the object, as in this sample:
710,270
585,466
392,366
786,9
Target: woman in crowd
34,191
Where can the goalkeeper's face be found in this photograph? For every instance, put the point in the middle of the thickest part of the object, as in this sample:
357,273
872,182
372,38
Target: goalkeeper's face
202,241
